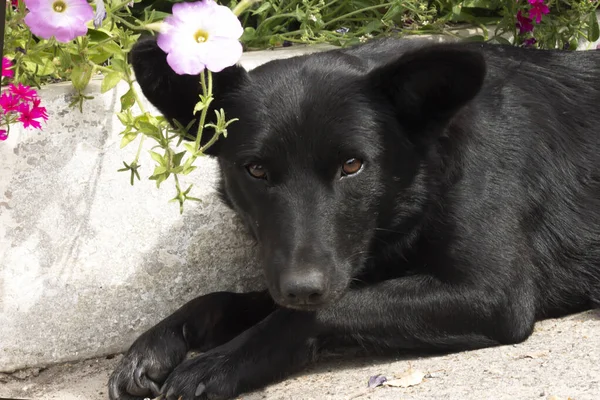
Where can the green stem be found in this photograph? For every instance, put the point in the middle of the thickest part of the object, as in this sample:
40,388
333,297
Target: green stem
100,67
207,92
337,10
332,2
127,23
342,17
143,110
177,184
274,17
118,6
209,143
243,5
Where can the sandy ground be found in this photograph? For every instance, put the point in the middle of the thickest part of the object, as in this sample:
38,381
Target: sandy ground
560,361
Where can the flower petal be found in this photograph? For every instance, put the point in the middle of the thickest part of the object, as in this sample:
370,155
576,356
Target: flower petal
190,64
34,5
192,13
224,23
222,53
173,34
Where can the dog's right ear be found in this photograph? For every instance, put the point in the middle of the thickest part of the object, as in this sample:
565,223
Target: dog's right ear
175,96
429,85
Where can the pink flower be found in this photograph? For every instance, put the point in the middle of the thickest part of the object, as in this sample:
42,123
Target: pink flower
22,92
538,8
63,19
6,65
524,23
201,35
41,111
3,134
9,102
529,42
28,116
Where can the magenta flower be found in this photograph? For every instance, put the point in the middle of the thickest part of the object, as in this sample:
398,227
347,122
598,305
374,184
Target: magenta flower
41,111
529,42
3,134
9,102
63,19
524,23
29,115
22,92
6,68
538,8
201,35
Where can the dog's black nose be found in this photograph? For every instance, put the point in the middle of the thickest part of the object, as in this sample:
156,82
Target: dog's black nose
303,288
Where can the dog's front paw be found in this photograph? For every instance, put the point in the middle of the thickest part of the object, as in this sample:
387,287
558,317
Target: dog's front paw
212,375
147,364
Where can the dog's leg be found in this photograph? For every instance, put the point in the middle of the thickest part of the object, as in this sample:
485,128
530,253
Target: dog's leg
201,324
411,312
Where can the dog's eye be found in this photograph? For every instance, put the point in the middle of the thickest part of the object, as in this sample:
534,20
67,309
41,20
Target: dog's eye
351,166
257,171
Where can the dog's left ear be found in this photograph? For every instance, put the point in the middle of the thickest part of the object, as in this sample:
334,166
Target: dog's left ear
428,86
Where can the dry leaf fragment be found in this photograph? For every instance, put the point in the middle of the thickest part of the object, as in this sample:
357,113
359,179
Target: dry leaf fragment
410,377
532,355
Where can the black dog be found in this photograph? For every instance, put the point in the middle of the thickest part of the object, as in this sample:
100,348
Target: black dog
404,195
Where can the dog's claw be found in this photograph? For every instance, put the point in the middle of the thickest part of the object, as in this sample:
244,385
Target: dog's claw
200,389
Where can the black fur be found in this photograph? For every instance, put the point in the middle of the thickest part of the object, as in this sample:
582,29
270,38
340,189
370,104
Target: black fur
476,211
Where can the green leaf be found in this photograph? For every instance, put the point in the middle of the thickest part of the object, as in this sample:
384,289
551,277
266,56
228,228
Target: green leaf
177,158
81,75
99,57
248,35
199,107
159,170
158,158
149,129
111,47
40,70
190,147
127,100
372,26
594,29
160,175
110,81
186,171
124,117
475,38
35,58
573,44
502,40
64,58
486,4
128,138
118,65
157,15
97,35
456,10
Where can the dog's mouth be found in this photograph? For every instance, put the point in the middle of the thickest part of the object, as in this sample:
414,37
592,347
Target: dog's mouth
299,307
332,298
